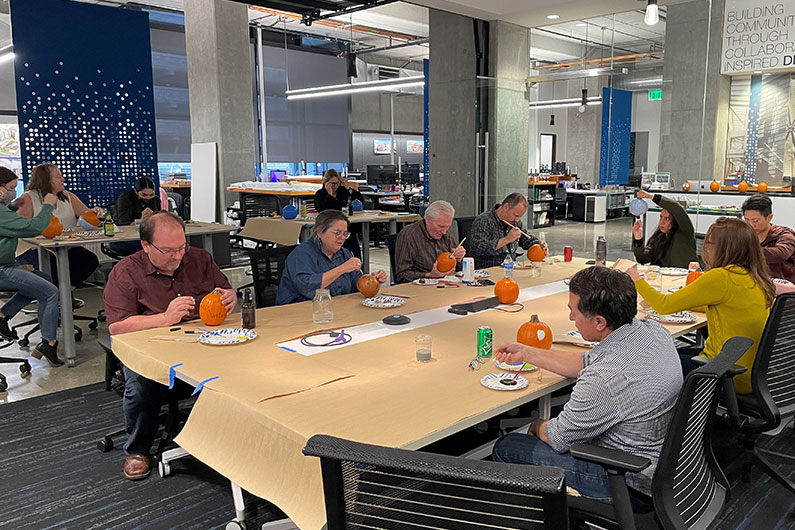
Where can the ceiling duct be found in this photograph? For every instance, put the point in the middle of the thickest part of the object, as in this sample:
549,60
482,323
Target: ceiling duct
640,80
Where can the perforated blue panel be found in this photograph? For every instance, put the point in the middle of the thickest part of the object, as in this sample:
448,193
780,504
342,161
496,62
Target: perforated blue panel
84,94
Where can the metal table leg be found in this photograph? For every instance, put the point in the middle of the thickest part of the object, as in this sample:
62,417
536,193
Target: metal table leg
392,227
65,291
207,243
44,261
366,247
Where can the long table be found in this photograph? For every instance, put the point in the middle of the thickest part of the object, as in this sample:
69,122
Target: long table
60,247
251,423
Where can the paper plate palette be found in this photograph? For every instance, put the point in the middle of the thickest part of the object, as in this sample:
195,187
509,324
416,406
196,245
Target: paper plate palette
499,381
226,336
674,271
682,317
425,281
383,302
478,274
781,281
517,367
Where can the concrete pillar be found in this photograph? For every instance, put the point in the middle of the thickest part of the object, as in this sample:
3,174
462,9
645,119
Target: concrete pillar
452,110
692,66
584,132
219,79
509,116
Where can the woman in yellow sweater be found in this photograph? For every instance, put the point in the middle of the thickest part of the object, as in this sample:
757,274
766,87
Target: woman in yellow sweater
736,290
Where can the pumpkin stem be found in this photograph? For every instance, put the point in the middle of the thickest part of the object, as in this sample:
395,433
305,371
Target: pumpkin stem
534,318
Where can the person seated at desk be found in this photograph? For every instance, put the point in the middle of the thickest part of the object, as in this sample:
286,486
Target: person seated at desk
778,242
626,390
736,290
334,195
419,244
137,203
673,244
159,286
44,179
28,285
322,262
491,238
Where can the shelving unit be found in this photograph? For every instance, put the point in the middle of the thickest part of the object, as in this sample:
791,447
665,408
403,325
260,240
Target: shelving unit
541,201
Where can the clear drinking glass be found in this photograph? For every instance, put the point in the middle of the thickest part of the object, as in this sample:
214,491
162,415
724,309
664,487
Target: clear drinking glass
322,312
423,348
653,277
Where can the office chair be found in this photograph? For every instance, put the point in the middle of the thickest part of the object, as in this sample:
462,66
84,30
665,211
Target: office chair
76,304
689,489
367,486
561,202
464,228
771,404
267,267
24,365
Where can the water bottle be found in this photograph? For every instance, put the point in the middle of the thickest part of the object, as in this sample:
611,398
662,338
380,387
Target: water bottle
601,251
507,267
248,311
322,312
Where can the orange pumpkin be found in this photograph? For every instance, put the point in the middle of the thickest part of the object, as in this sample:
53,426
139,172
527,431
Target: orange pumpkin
445,262
693,276
90,217
536,253
742,187
686,185
368,285
507,290
55,228
714,186
535,333
761,187
212,311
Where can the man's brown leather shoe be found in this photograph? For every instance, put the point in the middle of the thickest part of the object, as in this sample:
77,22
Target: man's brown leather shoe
136,467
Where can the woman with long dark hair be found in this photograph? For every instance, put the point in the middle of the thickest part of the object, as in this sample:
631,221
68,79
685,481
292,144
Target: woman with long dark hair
673,244
736,290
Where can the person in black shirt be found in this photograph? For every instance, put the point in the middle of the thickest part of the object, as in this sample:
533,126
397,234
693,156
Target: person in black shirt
139,202
334,195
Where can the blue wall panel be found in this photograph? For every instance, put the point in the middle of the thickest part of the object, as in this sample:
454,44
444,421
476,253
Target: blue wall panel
84,94
616,128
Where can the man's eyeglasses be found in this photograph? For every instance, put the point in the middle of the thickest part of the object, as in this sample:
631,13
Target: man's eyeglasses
339,233
173,251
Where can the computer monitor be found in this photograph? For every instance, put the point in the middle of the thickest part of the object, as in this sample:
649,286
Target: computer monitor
381,175
410,174
277,175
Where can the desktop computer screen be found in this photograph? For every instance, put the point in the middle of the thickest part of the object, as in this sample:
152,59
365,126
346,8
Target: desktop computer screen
277,175
410,173
381,175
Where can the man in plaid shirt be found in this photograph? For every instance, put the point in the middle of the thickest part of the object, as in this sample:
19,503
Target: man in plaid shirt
492,238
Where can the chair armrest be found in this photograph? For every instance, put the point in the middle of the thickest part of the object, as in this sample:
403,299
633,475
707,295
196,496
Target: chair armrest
735,369
610,459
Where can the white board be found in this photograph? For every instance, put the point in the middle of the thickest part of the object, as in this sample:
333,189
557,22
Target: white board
204,182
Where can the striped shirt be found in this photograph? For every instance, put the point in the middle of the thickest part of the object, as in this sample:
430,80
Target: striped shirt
624,396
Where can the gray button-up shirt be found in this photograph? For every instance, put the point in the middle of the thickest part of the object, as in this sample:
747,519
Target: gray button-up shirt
624,396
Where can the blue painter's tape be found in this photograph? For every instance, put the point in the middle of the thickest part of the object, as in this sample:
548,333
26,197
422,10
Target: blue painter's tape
172,374
201,385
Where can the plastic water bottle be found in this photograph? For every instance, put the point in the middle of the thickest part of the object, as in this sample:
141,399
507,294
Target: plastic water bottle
507,267
601,251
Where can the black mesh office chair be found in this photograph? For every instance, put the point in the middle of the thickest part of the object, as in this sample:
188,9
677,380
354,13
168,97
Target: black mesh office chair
689,489
561,202
367,486
464,228
259,206
267,267
24,365
771,403
391,243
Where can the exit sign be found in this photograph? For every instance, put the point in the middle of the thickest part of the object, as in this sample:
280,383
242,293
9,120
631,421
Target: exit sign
655,95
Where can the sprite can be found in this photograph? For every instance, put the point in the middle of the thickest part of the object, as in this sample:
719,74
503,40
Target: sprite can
485,337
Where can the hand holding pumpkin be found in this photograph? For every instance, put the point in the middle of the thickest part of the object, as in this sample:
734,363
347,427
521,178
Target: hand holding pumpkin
179,308
228,298
380,276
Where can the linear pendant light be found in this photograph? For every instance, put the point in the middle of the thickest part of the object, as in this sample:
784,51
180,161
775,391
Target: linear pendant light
567,102
354,88
574,74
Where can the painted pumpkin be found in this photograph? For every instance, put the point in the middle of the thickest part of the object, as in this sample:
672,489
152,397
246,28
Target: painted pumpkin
90,217
55,228
714,186
742,187
368,285
535,333
212,311
761,187
693,276
507,290
686,186
445,262
536,253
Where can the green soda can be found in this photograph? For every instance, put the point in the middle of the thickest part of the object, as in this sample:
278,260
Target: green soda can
485,337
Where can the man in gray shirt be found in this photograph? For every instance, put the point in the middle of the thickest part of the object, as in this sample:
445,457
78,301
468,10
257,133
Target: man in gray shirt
626,389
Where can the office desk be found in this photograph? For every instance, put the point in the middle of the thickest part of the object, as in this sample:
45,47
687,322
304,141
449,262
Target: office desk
251,423
61,250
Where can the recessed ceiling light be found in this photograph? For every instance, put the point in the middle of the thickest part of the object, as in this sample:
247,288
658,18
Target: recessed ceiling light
553,17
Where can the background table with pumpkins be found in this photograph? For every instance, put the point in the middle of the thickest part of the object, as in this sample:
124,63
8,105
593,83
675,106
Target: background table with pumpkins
251,423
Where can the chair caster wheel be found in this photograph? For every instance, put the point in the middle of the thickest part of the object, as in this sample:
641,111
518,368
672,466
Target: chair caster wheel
105,444
92,325
24,369
3,384
164,469
102,318
236,525
78,336
23,342
71,363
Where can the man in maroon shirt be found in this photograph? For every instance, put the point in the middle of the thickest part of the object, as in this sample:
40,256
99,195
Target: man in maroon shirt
156,287
778,242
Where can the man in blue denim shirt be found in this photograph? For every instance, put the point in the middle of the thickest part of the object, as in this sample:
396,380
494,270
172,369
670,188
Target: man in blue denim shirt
322,263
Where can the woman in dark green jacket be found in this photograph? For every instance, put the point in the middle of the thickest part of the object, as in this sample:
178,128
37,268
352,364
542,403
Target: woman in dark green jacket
28,285
673,244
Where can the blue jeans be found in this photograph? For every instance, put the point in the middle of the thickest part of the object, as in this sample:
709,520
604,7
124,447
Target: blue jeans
31,286
142,401
590,480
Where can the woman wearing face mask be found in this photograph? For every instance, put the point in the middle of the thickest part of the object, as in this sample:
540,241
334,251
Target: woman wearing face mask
673,244
28,285
46,179
139,202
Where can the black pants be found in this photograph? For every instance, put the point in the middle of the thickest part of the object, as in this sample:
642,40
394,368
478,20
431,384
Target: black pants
82,264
